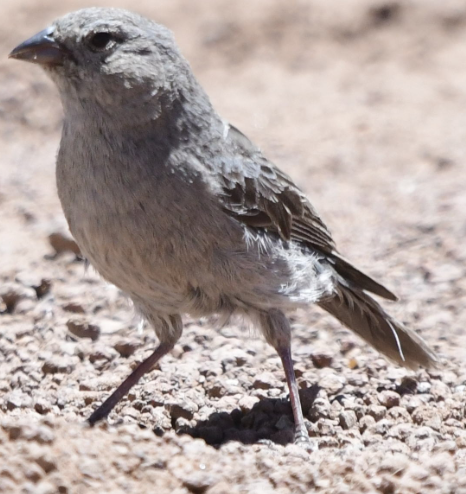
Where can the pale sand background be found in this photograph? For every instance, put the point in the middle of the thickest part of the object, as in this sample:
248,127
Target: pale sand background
363,103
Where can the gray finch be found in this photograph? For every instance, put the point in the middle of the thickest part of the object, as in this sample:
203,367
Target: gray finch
180,210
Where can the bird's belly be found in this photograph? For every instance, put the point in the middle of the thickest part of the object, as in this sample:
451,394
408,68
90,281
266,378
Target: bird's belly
189,271
136,259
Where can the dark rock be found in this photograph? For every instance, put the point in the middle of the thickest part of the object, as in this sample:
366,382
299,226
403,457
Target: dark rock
82,329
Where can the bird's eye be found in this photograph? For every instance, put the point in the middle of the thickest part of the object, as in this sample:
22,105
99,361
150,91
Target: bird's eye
100,41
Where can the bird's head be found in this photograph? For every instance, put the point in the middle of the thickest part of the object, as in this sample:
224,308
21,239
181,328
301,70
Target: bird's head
109,57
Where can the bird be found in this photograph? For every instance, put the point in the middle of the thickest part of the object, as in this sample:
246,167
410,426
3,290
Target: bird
181,211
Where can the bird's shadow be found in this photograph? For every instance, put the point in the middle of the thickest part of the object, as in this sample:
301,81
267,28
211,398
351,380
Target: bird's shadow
268,420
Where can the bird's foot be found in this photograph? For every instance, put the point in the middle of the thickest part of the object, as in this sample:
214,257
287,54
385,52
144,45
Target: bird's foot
301,439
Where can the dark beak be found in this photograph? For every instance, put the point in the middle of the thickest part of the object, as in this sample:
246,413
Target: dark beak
41,49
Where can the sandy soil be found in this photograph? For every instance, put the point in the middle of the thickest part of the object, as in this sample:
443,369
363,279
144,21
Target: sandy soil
362,102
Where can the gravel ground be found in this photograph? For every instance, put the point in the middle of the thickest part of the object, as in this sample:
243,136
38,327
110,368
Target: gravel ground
362,102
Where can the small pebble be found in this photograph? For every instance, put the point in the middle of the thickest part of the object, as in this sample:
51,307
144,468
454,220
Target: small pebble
389,399
82,329
126,347
321,360
348,419
61,242
264,380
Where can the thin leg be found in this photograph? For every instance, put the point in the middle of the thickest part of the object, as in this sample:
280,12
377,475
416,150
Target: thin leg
301,434
145,366
277,332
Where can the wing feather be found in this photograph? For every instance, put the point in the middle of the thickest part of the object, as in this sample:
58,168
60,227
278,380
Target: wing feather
260,195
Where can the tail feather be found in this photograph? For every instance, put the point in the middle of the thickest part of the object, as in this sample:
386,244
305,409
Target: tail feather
347,271
363,315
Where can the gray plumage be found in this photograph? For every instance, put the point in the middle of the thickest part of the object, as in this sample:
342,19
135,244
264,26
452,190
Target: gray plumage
178,208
